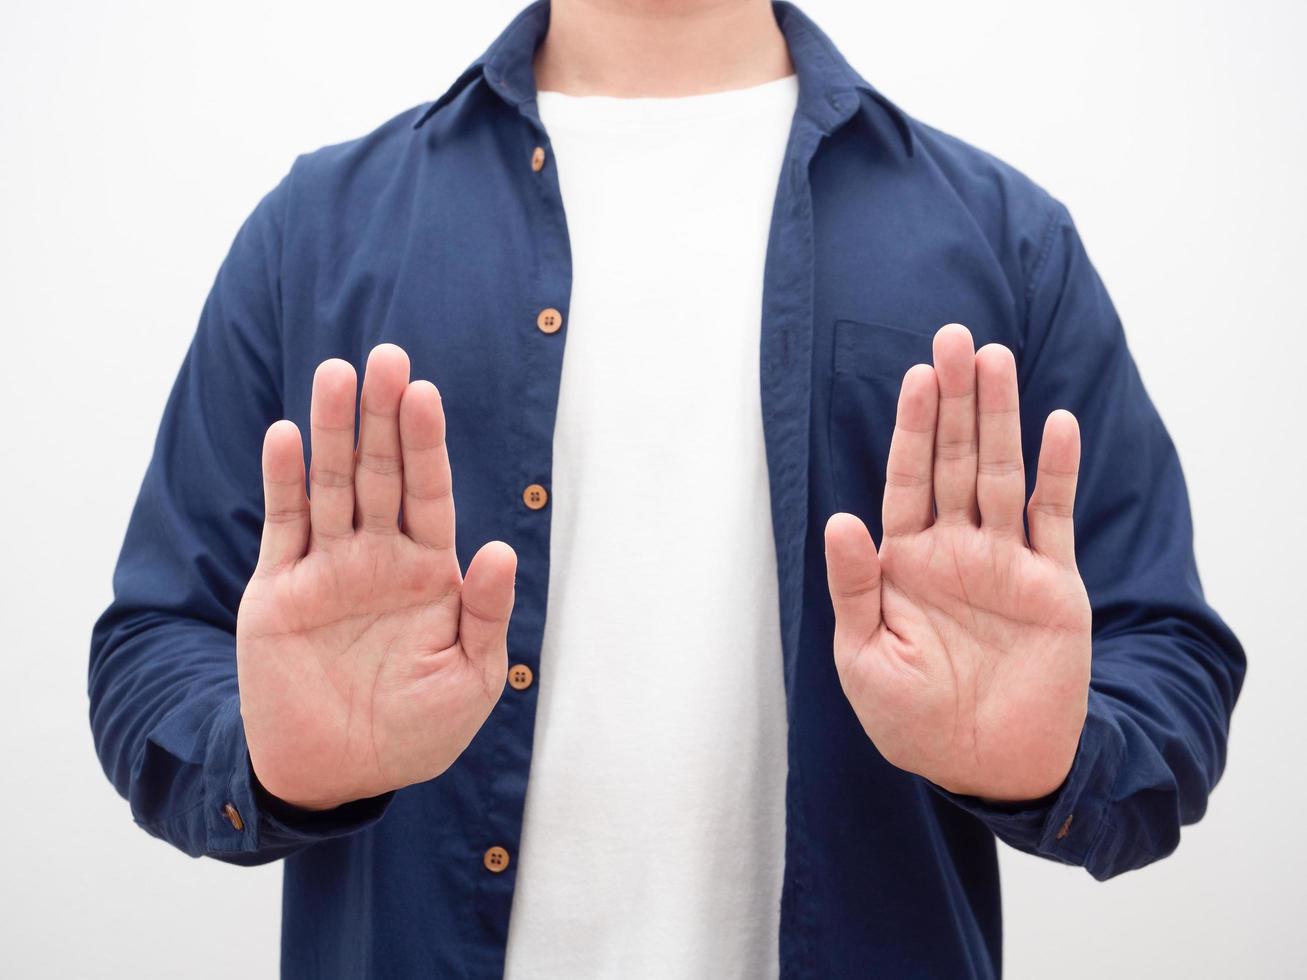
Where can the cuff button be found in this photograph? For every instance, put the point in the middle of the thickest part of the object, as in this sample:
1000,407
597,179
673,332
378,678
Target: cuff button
1066,827
233,816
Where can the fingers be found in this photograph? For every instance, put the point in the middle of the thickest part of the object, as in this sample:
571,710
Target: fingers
285,505
400,454
428,485
1001,475
909,504
487,601
956,450
853,577
378,469
331,471
955,436
1052,528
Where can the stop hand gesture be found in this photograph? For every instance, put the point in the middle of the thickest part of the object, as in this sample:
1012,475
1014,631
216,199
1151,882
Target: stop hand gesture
366,662
963,649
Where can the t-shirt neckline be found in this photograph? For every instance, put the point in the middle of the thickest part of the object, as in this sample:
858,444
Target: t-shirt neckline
608,111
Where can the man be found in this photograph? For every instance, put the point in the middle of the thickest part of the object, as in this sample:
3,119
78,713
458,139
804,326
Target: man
757,743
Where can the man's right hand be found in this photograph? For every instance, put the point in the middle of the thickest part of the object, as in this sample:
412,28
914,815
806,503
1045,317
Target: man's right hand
366,661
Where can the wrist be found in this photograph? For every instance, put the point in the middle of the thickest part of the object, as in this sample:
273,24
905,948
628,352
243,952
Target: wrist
278,800
1029,791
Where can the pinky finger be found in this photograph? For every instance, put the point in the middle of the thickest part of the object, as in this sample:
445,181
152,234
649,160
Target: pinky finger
1052,505
285,503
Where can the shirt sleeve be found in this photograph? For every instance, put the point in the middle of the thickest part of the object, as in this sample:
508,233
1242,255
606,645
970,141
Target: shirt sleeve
1166,669
164,705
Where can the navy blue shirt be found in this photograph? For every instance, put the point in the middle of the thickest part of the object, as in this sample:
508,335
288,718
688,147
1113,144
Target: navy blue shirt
437,232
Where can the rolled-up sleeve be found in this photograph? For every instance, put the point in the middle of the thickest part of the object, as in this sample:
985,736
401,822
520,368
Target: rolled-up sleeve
1166,669
164,704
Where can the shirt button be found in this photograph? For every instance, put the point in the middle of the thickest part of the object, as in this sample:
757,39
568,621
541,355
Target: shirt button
538,159
535,496
233,816
520,677
496,859
549,320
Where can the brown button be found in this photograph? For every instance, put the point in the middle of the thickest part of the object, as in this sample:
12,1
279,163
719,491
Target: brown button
520,677
535,496
538,159
1066,826
233,816
549,320
496,859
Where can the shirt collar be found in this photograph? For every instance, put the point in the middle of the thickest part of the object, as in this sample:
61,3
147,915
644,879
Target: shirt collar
830,89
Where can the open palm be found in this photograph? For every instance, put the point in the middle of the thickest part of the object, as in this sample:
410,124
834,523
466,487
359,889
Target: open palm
964,649
366,662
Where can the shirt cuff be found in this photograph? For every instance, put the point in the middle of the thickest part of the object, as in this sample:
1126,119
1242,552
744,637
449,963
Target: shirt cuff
241,816
1068,824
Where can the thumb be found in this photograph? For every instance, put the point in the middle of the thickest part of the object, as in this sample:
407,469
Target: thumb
853,576
487,601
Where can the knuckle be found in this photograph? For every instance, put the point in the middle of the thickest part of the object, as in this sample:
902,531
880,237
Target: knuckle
380,463
431,491
480,614
955,449
328,478
1052,508
906,479
284,515
1001,467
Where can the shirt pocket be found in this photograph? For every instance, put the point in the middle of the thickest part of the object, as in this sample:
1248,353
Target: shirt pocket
870,359
867,349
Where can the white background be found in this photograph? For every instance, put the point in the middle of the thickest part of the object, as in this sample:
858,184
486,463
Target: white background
135,137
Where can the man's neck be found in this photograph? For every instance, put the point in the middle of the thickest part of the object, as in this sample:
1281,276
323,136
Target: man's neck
660,48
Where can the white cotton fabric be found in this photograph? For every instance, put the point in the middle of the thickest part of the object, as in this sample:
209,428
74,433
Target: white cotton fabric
653,843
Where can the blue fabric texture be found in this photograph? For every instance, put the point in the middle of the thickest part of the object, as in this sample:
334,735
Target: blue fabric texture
434,232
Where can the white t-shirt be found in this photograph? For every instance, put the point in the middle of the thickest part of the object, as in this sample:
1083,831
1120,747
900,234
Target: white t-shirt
653,844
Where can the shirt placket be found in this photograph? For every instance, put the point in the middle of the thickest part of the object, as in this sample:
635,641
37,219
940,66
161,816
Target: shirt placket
786,366
541,322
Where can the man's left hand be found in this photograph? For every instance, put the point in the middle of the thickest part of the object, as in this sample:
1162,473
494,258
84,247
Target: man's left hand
964,648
